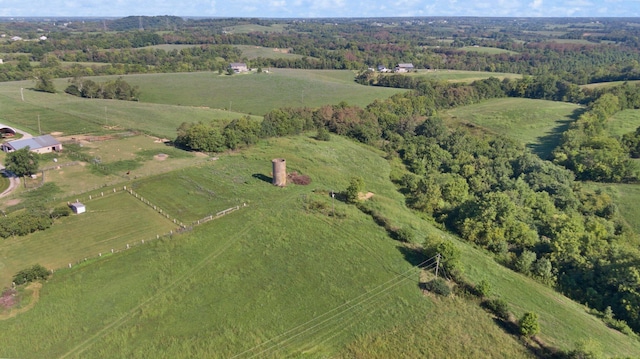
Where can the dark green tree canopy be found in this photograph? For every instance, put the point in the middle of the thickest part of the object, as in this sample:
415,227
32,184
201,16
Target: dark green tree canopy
22,162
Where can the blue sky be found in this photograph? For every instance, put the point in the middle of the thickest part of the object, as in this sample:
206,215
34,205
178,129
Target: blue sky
323,8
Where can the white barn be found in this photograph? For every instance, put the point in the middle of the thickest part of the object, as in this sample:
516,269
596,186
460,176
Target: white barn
40,144
78,207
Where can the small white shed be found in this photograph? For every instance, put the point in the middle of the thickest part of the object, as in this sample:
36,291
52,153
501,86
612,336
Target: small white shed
78,207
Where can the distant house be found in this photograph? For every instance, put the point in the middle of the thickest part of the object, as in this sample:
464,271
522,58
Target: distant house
404,67
382,68
0,61
238,67
16,38
40,144
78,207
42,38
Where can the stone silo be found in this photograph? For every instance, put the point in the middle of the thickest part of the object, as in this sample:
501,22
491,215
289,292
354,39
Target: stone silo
279,172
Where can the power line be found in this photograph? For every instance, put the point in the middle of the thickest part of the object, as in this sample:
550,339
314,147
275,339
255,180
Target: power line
351,304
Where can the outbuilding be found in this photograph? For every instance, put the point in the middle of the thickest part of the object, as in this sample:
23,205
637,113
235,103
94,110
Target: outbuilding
40,144
78,207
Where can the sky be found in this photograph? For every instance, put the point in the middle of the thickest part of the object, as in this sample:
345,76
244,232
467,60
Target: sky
322,8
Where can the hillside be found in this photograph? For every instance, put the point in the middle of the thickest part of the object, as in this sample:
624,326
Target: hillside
281,276
538,124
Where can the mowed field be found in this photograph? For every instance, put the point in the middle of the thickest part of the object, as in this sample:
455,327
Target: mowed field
257,93
70,115
461,75
538,124
280,277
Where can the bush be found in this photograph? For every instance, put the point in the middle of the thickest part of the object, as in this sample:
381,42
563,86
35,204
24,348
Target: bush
404,235
438,286
31,274
529,324
323,134
62,211
483,288
499,307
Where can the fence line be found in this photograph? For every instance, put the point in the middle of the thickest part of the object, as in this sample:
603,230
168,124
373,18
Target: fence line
181,229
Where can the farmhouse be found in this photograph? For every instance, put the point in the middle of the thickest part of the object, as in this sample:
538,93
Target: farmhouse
238,67
404,67
40,144
78,207
382,68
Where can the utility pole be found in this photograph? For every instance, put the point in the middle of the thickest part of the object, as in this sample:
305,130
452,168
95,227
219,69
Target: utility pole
333,206
437,264
39,131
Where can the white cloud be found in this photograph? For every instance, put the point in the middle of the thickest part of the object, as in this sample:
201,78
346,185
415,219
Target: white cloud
536,4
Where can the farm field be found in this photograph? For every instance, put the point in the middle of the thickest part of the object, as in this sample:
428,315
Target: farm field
488,50
624,122
279,277
243,29
252,52
110,222
70,115
461,76
538,124
255,93
607,84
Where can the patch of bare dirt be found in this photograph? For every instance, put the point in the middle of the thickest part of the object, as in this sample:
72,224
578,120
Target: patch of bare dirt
363,196
296,178
160,157
56,133
13,202
35,296
8,298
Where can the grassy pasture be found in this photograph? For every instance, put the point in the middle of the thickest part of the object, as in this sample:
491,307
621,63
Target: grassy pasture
275,279
256,93
73,115
461,75
110,222
607,84
243,29
488,50
624,122
252,52
537,124
626,197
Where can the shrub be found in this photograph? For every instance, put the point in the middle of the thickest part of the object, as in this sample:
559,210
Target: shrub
30,274
323,134
438,286
529,324
404,235
483,288
499,307
62,211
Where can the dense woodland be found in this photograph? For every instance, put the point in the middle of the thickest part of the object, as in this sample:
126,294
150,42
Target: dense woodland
532,213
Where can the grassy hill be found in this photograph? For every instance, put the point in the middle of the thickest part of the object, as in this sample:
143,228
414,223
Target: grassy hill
281,276
461,75
538,124
257,93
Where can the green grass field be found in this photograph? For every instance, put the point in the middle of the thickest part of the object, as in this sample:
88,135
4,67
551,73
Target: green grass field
72,115
110,222
488,50
624,122
538,124
608,84
252,52
274,279
626,197
243,29
257,93
461,76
